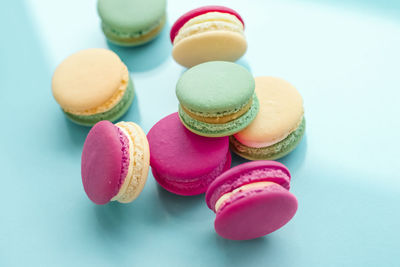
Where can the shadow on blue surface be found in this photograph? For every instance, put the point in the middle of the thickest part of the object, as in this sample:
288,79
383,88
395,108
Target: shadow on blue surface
244,63
133,113
77,133
295,159
177,205
145,57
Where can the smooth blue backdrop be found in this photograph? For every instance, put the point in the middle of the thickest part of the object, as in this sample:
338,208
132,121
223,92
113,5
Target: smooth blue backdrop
343,56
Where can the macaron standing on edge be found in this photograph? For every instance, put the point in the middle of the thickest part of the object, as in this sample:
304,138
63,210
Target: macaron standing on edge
251,200
115,162
208,33
216,98
279,125
93,85
182,162
131,22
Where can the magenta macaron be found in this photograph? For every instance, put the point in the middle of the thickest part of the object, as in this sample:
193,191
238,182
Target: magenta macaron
251,200
115,162
182,162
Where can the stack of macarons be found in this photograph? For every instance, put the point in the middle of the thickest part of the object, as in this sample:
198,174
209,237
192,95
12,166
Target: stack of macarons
263,117
222,108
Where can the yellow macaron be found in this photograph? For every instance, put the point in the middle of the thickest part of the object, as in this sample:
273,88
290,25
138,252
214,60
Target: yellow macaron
93,85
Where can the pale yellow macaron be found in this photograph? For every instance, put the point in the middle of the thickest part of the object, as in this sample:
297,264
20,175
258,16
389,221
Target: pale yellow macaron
209,33
279,125
93,85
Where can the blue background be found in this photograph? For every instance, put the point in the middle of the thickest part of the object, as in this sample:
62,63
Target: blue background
343,56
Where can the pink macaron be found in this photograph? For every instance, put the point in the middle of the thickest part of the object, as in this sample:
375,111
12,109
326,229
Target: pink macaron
182,162
251,200
115,162
208,33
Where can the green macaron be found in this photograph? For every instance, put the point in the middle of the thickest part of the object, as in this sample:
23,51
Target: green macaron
216,98
131,22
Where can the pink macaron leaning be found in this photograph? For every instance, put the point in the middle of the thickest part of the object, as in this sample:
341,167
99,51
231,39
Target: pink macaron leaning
251,200
115,162
182,162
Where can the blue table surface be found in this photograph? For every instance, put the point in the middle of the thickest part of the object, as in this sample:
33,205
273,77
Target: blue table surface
342,56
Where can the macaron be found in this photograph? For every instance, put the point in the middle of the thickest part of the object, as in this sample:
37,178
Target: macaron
216,98
93,85
115,162
251,200
182,162
279,125
131,22
208,33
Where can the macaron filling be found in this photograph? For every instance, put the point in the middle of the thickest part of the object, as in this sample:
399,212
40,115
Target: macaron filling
129,37
241,192
226,128
273,151
112,114
136,175
208,22
196,184
221,117
276,175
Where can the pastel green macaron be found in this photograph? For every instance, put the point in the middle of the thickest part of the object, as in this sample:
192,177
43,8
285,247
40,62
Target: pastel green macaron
216,98
131,22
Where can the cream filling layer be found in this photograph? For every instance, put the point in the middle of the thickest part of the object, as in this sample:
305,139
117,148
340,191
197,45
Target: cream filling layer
211,21
250,186
220,119
111,102
138,163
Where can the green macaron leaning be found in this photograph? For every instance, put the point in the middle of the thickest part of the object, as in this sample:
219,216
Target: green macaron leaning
217,98
131,22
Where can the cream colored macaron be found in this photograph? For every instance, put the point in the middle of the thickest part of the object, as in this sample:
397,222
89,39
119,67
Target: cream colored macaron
93,85
279,124
210,33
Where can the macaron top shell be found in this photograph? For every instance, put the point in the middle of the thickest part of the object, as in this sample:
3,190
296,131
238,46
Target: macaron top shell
255,171
105,162
131,15
178,153
280,113
199,11
215,87
88,79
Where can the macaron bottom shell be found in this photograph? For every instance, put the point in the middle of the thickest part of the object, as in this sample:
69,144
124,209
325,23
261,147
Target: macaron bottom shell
133,39
194,186
223,129
272,152
112,115
255,213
